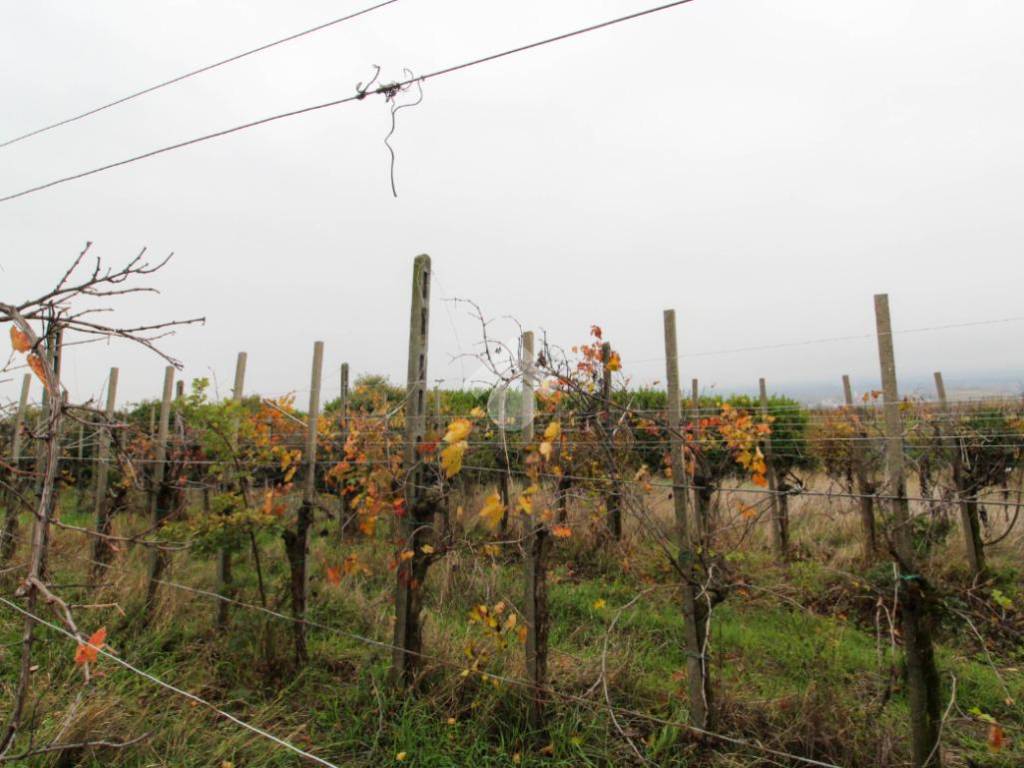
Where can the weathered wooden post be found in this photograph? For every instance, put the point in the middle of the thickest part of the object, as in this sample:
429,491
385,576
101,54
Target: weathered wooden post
53,342
297,541
535,601
8,538
161,493
695,629
922,676
224,578
967,500
613,499
865,488
419,514
80,468
702,489
101,505
780,513
179,390
345,520
565,480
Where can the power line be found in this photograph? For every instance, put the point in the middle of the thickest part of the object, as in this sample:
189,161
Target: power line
193,73
829,340
387,89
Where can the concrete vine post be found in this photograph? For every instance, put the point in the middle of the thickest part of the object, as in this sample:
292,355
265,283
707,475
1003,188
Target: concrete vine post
419,505
780,512
161,494
224,578
966,499
922,675
865,489
695,616
101,505
537,544
297,541
8,537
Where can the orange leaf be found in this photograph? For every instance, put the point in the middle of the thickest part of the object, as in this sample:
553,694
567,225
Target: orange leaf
561,531
88,652
333,575
20,340
37,367
996,737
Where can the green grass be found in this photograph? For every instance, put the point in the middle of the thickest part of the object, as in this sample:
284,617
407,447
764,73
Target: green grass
808,681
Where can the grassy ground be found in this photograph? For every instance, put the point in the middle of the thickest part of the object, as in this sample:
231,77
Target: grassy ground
803,661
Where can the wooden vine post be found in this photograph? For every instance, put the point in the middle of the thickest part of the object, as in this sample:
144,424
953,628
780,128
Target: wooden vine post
102,508
966,499
297,540
80,468
865,489
345,520
8,537
780,512
695,615
922,676
224,578
537,544
701,481
613,499
161,493
415,524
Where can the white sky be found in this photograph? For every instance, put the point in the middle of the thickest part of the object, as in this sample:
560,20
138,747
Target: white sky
763,167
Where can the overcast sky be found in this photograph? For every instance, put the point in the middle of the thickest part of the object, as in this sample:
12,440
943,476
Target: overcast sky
763,167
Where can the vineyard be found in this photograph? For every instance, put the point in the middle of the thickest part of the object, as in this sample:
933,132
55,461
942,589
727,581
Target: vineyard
559,570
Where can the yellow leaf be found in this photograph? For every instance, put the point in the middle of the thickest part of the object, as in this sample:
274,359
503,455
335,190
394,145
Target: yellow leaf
478,413
510,623
526,504
599,604
545,449
426,549
458,431
401,757
407,554
451,458
492,511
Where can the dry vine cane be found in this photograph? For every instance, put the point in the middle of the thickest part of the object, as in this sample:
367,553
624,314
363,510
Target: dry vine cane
60,313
